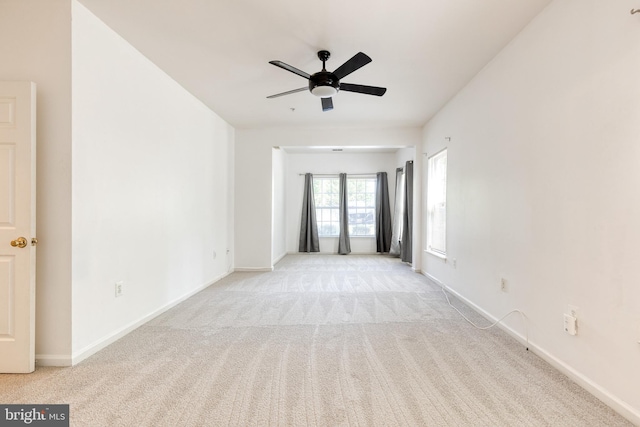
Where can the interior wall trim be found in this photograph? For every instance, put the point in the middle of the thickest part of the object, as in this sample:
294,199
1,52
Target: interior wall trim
61,360
583,381
103,342
252,269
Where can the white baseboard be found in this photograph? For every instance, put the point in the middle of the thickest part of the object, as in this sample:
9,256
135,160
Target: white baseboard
519,337
252,269
335,253
53,360
622,408
98,345
278,259
364,253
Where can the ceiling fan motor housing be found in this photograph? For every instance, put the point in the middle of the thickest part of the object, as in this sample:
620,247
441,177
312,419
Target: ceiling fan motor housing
324,84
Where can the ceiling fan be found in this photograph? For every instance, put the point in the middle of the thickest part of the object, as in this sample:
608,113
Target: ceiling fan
325,84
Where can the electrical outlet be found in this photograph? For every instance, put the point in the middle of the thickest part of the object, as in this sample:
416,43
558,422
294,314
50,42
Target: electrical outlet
570,324
455,263
572,310
119,288
503,284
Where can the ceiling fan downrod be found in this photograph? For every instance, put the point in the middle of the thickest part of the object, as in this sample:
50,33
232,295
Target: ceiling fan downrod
324,55
324,84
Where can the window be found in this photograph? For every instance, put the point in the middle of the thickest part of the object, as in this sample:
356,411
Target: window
361,193
437,203
326,192
361,205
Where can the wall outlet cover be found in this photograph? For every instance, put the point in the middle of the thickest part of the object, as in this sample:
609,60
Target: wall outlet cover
570,324
119,288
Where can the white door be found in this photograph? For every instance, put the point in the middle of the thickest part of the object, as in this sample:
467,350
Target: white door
17,226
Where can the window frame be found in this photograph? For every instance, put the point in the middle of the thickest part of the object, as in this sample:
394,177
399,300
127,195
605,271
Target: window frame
369,217
437,195
328,209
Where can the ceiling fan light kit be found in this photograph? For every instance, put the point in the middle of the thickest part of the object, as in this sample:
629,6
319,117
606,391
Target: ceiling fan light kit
325,84
324,91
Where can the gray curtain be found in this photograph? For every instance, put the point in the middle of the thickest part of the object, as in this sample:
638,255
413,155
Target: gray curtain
309,241
407,227
383,213
398,211
344,244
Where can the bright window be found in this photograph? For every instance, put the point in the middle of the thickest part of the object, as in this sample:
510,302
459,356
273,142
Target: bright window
326,192
437,203
361,205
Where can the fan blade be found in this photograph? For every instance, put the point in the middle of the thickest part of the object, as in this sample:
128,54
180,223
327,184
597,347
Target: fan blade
327,104
288,67
359,60
288,92
368,90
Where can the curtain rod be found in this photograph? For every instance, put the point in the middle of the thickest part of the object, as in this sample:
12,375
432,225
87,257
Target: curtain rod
336,174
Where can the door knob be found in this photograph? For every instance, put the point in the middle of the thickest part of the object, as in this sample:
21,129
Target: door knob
20,242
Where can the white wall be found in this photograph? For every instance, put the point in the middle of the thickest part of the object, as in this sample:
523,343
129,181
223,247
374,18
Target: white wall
36,46
152,188
253,198
279,205
253,178
404,155
542,190
332,163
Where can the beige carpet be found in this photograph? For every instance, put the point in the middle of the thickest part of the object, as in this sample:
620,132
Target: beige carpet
321,341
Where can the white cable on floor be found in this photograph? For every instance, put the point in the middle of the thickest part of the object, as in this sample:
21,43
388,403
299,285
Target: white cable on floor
526,330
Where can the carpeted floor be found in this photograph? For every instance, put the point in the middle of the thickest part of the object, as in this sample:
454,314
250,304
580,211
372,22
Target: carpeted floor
324,340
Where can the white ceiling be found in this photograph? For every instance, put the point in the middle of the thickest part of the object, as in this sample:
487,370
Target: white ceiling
423,51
